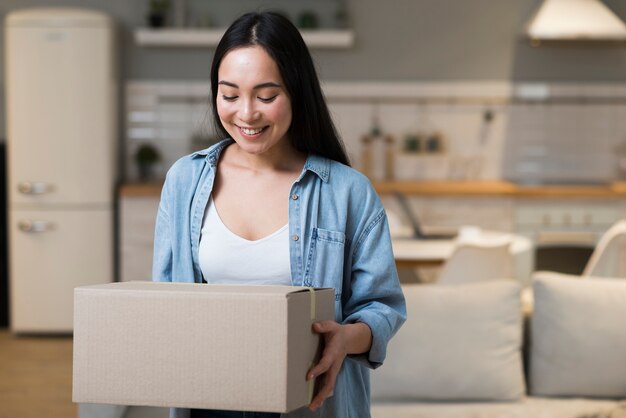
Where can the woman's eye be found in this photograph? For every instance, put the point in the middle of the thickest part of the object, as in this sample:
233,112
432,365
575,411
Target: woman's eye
268,99
229,98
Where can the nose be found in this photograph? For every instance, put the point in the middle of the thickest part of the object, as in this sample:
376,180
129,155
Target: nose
248,111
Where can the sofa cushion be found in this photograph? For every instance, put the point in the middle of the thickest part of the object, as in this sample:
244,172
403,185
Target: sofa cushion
578,336
458,343
529,407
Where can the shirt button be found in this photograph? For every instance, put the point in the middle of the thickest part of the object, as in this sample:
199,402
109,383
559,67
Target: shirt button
295,238
294,196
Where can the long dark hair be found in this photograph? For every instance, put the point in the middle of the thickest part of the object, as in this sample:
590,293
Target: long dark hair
312,130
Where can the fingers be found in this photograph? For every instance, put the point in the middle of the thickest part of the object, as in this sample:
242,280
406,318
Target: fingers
329,365
334,350
330,378
321,367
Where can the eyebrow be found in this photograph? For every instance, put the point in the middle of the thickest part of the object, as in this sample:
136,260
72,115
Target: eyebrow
258,86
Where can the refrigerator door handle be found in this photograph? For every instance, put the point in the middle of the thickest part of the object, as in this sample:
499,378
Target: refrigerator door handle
26,225
34,187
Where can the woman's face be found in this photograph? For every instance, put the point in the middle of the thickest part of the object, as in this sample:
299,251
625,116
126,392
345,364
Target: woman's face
252,101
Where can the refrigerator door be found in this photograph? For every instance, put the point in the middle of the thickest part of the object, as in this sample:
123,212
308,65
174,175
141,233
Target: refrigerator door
61,129
51,253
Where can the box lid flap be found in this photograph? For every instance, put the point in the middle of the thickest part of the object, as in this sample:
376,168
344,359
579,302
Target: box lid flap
145,286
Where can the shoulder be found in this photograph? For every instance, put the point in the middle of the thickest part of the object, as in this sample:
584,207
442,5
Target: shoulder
344,187
335,173
183,166
339,171
353,183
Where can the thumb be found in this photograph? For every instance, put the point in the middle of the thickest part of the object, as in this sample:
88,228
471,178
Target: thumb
323,326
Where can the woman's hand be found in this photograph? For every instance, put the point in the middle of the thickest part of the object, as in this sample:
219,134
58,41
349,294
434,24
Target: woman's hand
339,341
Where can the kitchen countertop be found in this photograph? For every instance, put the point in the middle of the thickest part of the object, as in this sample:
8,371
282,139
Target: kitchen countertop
501,188
492,188
152,189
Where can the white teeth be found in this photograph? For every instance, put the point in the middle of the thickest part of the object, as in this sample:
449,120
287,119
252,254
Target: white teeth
251,131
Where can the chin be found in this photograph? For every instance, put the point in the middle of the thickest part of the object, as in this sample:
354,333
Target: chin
252,147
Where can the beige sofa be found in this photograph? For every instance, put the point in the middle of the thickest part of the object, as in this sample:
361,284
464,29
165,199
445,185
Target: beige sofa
469,351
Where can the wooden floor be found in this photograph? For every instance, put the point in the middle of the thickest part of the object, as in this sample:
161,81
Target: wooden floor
35,377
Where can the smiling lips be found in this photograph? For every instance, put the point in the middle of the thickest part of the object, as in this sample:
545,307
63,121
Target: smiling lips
251,131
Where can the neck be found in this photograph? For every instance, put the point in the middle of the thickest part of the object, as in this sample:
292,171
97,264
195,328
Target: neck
278,159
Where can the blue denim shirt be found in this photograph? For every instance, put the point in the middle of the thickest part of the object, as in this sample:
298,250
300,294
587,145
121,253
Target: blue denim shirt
339,238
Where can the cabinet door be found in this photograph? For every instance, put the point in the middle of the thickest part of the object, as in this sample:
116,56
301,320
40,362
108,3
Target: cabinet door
60,125
51,253
137,222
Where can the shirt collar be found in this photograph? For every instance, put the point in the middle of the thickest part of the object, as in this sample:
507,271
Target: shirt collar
212,154
315,163
318,165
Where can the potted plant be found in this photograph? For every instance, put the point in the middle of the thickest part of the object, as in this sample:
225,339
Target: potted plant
158,12
145,157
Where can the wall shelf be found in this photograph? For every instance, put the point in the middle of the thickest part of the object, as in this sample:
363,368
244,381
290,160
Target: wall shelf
171,37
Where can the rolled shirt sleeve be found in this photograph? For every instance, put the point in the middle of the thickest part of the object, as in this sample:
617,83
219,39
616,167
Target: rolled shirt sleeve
376,297
162,254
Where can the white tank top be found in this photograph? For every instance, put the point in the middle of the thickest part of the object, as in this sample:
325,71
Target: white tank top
227,258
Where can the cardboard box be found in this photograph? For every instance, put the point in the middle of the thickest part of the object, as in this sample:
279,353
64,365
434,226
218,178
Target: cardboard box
203,346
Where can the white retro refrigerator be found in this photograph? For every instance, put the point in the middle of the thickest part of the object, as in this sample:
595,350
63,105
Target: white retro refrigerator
61,147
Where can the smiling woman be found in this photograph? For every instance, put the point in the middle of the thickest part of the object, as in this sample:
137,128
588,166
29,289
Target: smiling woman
277,203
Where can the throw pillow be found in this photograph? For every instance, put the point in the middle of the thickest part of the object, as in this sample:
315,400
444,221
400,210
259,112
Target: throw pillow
458,343
578,336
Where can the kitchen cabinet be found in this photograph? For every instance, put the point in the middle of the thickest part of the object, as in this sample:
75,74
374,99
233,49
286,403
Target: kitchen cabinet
439,213
593,217
136,234
621,207
565,233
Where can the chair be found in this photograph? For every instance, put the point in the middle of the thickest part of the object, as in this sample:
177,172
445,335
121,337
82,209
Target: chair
609,257
477,261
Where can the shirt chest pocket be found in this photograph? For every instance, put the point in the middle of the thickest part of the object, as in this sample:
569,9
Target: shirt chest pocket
324,266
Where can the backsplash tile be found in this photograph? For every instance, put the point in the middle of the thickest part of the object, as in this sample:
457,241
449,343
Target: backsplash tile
167,115
562,142
529,133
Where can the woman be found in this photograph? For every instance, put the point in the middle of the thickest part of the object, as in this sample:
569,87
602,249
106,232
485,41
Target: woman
276,203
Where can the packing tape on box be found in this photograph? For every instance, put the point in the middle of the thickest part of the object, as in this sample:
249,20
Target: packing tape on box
312,292
312,381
